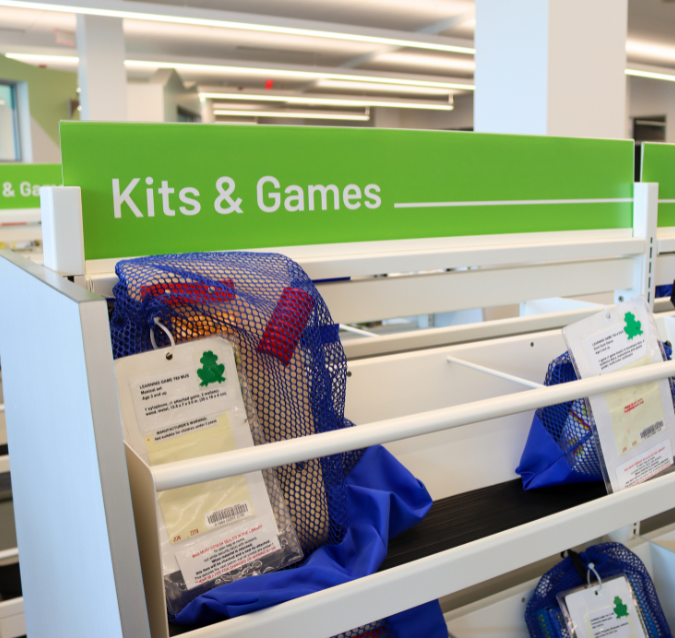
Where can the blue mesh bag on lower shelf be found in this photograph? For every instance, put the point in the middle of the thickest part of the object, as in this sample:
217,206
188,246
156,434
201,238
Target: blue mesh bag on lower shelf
561,446
543,615
345,507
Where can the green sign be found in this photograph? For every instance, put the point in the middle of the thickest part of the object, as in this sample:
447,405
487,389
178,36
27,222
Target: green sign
165,188
20,184
658,165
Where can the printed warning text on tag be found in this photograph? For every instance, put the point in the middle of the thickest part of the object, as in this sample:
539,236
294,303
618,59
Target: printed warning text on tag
207,560
643,467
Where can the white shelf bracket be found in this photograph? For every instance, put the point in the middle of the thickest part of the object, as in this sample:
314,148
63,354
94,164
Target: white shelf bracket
645,213
625,534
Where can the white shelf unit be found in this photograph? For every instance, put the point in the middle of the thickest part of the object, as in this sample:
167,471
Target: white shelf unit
456,429
503,615
20,226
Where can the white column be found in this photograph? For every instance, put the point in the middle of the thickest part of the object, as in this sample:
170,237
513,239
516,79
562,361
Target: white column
101,72
208,116
551,67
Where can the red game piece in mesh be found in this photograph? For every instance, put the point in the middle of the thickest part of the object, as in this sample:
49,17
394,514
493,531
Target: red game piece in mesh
286,324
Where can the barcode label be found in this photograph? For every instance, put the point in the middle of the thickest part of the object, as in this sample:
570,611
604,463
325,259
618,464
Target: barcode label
228,514
653,429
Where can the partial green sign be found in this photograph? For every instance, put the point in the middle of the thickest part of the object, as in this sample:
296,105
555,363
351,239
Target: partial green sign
20,184
658,165
174,188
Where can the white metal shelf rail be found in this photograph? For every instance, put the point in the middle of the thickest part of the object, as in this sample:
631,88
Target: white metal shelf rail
385,593
226,464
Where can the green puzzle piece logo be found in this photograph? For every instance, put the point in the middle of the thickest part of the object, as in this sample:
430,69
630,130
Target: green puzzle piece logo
620,608
633,328
212,370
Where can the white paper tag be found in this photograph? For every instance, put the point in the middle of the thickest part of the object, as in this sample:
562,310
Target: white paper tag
179,399
635,425
204,513
244,543
604,612
647,464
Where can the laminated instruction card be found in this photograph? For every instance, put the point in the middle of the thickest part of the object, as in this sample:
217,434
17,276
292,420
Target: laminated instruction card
635,425
186,402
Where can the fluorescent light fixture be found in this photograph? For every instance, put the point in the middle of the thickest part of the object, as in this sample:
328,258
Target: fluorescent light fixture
227,24
36,57
372,88
304,75
310,115
650,74
327,101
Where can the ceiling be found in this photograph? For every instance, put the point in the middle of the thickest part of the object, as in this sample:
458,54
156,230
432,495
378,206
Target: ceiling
268,56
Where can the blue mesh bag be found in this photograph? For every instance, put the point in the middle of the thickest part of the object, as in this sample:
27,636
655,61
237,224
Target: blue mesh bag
663,291
289,348
561,446
344,507
543,616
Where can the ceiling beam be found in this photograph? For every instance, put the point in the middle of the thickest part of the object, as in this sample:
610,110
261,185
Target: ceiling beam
248,22
434,29
449,23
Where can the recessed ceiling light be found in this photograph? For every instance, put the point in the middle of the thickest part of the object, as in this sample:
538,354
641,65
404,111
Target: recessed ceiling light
64,59
324,100
311,115
651,75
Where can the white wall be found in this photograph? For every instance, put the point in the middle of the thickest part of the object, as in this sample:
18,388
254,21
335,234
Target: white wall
653,97
145,102
44,149
460,117
158,100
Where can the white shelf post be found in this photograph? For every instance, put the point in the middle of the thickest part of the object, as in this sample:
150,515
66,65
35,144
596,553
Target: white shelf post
62,235
645,213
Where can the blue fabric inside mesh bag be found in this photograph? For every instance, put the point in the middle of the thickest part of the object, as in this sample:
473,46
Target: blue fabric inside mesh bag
561,447
344,507
543,615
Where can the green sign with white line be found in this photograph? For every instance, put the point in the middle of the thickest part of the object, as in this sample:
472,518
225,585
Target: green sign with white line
658,165
173,188
20,184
